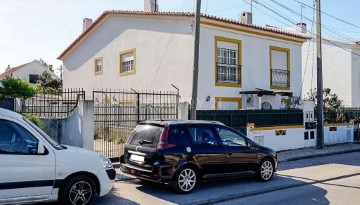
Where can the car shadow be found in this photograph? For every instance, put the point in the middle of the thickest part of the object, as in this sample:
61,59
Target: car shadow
113,198
231,189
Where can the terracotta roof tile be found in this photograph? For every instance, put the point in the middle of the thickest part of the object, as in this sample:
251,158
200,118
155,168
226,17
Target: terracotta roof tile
182,14
11,71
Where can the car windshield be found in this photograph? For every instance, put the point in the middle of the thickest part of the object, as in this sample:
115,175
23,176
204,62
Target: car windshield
44,135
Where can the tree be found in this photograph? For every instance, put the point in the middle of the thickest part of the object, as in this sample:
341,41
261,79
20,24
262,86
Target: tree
16,88
333,107
48,84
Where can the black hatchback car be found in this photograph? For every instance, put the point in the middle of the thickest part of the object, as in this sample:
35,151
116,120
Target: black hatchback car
182,153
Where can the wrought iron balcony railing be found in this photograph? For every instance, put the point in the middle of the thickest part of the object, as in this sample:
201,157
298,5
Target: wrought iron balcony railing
228,74
280,78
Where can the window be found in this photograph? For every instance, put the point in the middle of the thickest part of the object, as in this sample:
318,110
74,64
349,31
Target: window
203,136
128,62
33,78
178,136
14,139
279,68
227,62
306,135
98,66
222,103
230,138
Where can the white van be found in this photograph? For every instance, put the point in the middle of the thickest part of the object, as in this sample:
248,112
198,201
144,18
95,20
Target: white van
35,168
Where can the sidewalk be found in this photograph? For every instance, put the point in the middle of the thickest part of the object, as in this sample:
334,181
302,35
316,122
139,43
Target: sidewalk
291,155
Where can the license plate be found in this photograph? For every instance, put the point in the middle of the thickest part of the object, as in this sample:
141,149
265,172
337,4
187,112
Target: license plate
137,158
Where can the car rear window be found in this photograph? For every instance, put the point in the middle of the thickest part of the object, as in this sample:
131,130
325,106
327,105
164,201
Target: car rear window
146,135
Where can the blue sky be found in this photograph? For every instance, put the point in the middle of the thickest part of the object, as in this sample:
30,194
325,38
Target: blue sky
33,29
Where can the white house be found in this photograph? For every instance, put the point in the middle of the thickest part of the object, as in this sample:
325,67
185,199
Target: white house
29,71
341,69
149,50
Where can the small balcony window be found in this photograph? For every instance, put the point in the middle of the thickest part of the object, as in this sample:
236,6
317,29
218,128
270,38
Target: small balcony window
280,68
228,70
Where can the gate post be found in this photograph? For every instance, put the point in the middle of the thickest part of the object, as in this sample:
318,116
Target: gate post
138,107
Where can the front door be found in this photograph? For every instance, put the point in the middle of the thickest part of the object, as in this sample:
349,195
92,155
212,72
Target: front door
24,174
240,157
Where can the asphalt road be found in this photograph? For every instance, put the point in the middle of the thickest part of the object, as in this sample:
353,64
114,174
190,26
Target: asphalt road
333,179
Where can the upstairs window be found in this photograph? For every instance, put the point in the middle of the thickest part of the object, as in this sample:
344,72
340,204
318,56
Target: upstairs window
279,68
228,62
127,62
98,68
33,78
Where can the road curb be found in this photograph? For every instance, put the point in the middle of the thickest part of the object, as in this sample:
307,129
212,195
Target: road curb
320,155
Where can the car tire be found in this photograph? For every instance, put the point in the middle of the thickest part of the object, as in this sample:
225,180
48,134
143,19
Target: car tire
265,170
80,189
185,180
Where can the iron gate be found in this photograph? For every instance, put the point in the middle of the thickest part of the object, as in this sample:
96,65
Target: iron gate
118,112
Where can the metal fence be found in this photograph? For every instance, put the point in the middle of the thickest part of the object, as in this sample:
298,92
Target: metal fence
261,118
118,112
53,105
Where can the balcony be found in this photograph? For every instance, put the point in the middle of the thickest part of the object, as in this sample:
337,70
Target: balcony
228,74
280,78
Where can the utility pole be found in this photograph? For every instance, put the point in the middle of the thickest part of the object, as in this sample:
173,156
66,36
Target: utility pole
251,6
320,102
196,61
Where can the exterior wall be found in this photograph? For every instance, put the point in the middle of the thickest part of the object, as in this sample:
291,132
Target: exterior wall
76,130
255,68
164,56
344,134
337,70
293,139
355,81
33,68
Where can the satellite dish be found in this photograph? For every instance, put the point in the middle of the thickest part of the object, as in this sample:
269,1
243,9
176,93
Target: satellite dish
266,106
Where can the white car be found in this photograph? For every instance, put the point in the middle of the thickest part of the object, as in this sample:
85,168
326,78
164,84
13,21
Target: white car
35,168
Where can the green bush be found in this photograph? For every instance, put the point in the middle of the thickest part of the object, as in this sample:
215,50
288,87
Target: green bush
33,119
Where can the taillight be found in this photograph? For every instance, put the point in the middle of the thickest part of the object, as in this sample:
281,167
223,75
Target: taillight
163,141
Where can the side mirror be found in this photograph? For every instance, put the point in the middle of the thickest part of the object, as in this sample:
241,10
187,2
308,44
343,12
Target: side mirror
41,148
248,144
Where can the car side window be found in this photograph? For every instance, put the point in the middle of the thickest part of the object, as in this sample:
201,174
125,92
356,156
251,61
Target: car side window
14,139
178,136
203,136
230,138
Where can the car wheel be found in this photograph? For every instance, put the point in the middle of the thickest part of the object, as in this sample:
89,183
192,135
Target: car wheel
79,190
185,180
265,170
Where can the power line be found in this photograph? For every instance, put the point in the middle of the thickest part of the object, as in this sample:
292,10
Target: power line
256,1
323,26
228,8
337,18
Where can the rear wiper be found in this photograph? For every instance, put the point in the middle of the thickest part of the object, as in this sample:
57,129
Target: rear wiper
144,142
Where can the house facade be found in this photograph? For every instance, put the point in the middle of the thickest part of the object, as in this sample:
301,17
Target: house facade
29,72
341,69
241,66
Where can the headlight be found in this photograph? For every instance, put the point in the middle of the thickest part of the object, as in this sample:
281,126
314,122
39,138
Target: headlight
106,161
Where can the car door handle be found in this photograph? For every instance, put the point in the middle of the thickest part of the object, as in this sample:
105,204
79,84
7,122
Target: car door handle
229,154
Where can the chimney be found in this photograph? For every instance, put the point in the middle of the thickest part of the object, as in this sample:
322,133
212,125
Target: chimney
301,27
246,17
86,23
151,6
8,68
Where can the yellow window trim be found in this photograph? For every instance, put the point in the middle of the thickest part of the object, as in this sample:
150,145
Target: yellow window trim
102,65
226,99
134,65
230,40
217,25
288,67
